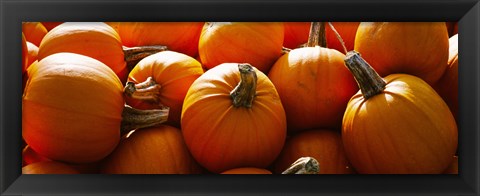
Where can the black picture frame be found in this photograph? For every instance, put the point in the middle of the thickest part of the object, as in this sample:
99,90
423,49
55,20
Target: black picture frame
13,12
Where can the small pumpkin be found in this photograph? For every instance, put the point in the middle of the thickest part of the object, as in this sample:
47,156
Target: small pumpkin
162,79
232,117
314,86
34,32
256,43
154,150
325,146
447,86
247,170
48,167
397,124
73,109
415,48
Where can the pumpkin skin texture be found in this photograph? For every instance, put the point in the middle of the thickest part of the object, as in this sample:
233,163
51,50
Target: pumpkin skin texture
314,86
181,37
447,86
453,168
34,32
247,170
406,129
221,136
96,40
174,72
415,48
32,53
296,34
256,43
24,54
48,167
54,127
154,150
325,146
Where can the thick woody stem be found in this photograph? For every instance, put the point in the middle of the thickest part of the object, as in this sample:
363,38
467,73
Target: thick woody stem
148,90
134,54
304,165
244,93
317,35
135,119
369,82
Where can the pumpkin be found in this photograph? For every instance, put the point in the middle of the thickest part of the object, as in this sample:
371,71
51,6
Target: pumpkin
397,124
232,117
177,36
48,167
453,167
25,54
447,86
162,79
256,43
415,48
325,146
50,25
154,150
73,109
247,170
295,34
32,53
34,32
314,86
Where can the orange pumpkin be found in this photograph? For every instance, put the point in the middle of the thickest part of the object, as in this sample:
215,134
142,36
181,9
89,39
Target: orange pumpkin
172,75
48,167
34,32
231,119
73,109
415,48
256,43
177,36
453,167
155,150
296,34
314,86
247,170
50,25
25,53
447,86
324,145
32,53
396,125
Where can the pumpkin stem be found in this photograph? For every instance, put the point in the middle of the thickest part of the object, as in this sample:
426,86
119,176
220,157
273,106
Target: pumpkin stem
304,165
317,35
135,119
134,54
369,82
148,90
338,37
244,93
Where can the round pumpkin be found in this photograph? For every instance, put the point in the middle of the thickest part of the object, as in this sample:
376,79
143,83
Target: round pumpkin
453,167
25,54
295,34
396,125
231,119
34,32
177,36
415,48
314,86
247,170
447,86
154,150
325,146
256,43
173,73
48,167
32,53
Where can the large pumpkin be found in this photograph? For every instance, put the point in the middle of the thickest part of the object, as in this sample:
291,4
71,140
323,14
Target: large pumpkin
177,36
256,43
232,117
154,150
396,125
295,34
48,167
314,86
447,86
415,48
73,109
34,32
325,146
163,79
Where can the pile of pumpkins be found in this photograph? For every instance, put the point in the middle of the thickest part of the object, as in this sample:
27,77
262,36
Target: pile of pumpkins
239,97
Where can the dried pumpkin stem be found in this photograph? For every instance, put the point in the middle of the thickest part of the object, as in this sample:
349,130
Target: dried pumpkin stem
317,35
304,165
369,82
135,119
148,91
134,54
244,93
